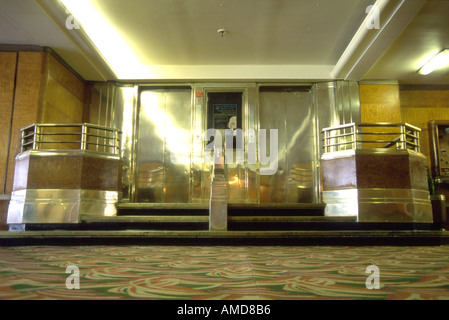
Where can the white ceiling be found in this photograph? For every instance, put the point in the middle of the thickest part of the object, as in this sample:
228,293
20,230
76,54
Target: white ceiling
266,39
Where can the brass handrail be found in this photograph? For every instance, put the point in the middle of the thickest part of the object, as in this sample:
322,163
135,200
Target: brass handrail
354,136
70,136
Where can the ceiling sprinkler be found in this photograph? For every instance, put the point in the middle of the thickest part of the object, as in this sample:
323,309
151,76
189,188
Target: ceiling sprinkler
222,32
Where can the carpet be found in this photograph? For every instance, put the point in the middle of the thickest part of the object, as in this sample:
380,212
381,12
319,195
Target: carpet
224,273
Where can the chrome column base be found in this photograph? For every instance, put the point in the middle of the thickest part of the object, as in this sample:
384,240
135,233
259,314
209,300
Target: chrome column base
380,205
60,205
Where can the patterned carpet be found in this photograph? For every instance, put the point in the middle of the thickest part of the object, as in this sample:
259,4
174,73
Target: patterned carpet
223,272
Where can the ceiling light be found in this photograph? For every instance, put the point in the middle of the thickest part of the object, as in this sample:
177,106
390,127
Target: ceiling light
111,45
440,60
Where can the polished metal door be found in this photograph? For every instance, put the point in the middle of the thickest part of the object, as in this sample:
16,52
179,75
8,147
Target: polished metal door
163,146
289,111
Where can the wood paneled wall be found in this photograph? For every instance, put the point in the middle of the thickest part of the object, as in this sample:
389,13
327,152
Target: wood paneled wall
63,94
380,103
413,104
421,104
8,62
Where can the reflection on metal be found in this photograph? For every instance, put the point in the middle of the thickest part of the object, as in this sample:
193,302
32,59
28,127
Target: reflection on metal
67,153
351,136
70,136
218,205
123,117
335,103
380,205
289,110
60,205
163,147
162,162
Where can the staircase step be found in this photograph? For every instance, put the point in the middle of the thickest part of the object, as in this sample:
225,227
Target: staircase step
289,219
235,223
146,222
145,219
246,219
139,237
276,209
234,209
163,209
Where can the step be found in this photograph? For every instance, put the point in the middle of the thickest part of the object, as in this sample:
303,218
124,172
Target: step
289,219
235,223
192,209
150,237
145,219
276,209
193,219
234,209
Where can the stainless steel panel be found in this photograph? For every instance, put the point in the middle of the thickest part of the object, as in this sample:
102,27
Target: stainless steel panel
251,121
148,144
60,205
177,150
163,152
336,103
289,112
380,205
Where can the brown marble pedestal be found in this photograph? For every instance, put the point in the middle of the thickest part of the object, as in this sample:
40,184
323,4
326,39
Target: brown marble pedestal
59,187
377,185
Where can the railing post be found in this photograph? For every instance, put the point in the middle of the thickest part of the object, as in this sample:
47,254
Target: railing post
418,142
22,141
83,137
354,136
403,138
326,147
115,141
36,137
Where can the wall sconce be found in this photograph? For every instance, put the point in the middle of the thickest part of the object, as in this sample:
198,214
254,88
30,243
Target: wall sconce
440,60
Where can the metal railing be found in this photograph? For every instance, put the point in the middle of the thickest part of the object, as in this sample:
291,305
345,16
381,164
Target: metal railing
70,136
351,136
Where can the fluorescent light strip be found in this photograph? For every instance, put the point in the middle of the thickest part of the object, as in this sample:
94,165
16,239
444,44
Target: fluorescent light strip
440,60
104,36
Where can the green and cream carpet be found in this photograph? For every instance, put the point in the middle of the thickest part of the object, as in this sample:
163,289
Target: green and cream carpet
223,272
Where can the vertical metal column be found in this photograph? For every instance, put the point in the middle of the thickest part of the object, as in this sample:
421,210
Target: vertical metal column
218,205
84,137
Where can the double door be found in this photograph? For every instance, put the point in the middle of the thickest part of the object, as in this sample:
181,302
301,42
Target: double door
172,151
